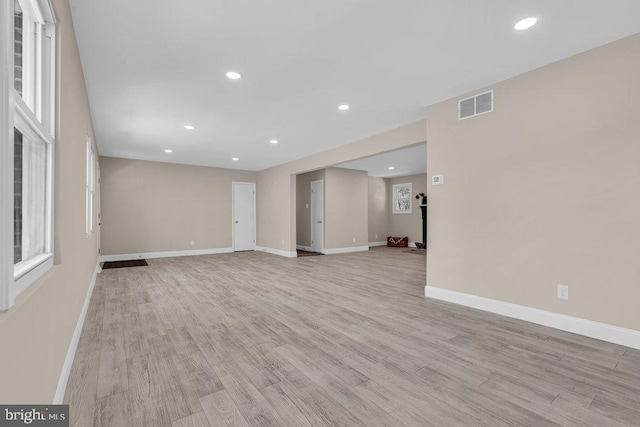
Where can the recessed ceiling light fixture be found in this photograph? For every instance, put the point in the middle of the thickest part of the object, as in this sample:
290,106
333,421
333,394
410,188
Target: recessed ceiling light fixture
391,168
168,151
234,75
343,107
526,23
273,141
189,127
235,159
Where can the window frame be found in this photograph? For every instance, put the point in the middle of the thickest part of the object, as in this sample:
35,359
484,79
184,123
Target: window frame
90,187
394,198
36,123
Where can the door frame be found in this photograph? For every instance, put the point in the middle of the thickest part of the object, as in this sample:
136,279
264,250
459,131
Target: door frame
311,213
233,213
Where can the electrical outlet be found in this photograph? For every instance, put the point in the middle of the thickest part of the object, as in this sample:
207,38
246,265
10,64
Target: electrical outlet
306,206
354,240
193,242
563,292
283,242
376,236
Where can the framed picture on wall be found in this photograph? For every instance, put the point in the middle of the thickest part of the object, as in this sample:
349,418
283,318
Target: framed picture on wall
402,198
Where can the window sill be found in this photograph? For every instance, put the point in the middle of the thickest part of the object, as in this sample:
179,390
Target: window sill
28,272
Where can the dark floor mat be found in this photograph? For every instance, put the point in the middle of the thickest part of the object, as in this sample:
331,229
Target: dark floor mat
124,264
302,253
416,251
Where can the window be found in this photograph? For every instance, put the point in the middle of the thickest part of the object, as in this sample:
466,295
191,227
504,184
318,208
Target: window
402,198
91,185
26,119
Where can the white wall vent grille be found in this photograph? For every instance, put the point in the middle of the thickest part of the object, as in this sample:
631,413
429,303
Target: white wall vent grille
476,105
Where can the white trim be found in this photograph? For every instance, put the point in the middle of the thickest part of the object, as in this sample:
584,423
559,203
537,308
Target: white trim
382,243
27,272
46,11
312,218
6,154
576,325
32,9
28,114
277,252
304,248
29,124
166,254
233,217
75,339
90,187
345,250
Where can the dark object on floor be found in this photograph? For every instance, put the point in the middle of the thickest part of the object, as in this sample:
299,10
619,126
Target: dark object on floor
302,253
423,208
420,245
397,242
123,264
416,251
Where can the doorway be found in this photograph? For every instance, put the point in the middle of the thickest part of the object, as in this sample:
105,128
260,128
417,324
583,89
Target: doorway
244,216
317,216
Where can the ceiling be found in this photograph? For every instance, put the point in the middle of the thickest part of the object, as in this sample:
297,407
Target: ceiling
408,161
153,66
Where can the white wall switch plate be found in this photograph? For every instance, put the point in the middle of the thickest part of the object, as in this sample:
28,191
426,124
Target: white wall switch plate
437,180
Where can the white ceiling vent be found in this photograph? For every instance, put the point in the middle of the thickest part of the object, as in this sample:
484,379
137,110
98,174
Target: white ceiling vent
476,105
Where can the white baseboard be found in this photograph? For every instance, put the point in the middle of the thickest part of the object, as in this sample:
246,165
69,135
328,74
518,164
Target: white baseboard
304,248
576,325
166,254
277,252
345,250
73,345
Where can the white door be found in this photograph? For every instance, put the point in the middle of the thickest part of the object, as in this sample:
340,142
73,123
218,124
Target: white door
317,216
244,216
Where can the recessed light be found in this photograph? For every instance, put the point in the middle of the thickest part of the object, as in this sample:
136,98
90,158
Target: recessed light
235,159
391,168
343,107
526,23
273,141
233,75
189,127
168,151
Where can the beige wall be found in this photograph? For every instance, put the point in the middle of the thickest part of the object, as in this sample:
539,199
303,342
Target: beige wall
379,207
346,208
407,224
157,207
544,191
35,333
276,193
303,205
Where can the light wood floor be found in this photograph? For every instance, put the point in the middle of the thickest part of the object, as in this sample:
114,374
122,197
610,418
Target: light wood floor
256,339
